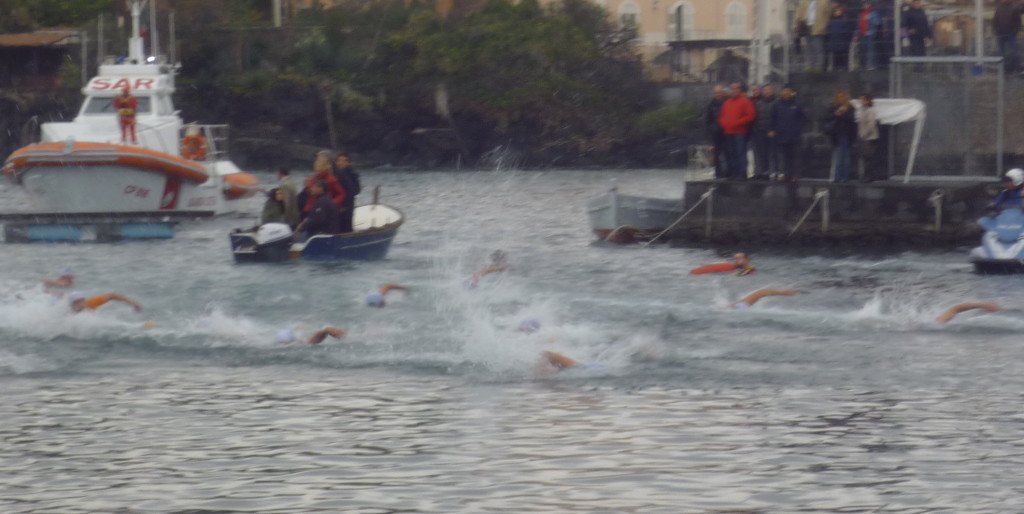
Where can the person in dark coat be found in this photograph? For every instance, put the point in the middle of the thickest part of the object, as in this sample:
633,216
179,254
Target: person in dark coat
323,216
840,123
1006,23
765,159
711,113
840,31
785,128
273,209
349,180
915,23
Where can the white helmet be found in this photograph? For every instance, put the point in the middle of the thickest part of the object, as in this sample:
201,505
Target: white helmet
1016,176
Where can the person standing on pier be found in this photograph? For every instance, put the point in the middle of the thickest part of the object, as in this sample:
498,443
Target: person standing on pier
1006,22
841,126
813,16
711,113
868,24
867,138
915,23
765,160
785,128
737,115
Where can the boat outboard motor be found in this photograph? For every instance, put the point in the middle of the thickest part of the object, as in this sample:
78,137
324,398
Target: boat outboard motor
274,241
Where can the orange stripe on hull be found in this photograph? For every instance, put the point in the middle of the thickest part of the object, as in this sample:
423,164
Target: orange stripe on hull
95,154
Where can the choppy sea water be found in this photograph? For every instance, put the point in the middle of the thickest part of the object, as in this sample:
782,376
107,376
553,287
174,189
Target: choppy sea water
844,398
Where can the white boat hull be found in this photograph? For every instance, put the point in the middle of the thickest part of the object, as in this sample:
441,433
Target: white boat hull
115,188
626,218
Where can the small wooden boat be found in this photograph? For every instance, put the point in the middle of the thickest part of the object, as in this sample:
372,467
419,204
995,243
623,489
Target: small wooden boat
375,227
625,219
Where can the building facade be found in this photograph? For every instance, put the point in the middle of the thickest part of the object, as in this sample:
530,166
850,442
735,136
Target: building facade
685,40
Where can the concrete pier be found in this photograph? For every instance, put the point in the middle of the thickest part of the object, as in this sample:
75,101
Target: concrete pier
927,212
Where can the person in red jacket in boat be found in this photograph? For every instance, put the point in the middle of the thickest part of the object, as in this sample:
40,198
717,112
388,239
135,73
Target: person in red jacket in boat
126,105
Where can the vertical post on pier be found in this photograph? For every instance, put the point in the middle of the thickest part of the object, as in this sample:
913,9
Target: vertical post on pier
824,211
707,215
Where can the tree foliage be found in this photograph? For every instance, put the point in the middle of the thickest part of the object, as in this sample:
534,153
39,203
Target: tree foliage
562,74
25,15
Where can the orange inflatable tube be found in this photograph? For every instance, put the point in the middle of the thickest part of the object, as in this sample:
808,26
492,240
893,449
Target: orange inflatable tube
720,267
240,185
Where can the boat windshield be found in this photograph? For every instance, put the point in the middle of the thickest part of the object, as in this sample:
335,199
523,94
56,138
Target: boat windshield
105,105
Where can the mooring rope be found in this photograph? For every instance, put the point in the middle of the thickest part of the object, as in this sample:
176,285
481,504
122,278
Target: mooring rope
817,197
703,197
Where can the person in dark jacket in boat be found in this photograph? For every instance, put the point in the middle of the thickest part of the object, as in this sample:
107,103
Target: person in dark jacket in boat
273,210
323,215
349,180
290,193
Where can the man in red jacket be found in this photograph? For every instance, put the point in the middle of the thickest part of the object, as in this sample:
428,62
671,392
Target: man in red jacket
735,119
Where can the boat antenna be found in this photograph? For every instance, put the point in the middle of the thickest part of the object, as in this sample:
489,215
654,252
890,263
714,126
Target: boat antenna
135,43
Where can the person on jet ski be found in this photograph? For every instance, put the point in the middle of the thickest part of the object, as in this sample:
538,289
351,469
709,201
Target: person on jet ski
1010,198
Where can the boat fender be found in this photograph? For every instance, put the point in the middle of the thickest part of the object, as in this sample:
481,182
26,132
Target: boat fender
193,147
720,267
272,233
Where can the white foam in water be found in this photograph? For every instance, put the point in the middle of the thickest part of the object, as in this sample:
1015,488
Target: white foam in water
40,315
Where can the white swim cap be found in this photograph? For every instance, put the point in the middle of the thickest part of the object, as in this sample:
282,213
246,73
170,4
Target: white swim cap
529,326
65,272
75,296
1016,175
285,336
375,299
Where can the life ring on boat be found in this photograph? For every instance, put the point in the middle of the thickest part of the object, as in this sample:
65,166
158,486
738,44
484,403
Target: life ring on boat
721,267
193,147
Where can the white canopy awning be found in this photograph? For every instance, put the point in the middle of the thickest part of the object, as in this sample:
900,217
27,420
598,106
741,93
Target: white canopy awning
896,111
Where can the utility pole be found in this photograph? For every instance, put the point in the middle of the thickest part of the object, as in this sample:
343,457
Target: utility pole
760,56
100,46
979,29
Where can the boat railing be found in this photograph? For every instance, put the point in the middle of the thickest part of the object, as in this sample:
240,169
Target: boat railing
216,137
159,136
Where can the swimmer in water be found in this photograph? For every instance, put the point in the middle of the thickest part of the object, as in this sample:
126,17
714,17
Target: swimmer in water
558,361
528,326
748,301
376,298
743,265
65,280
288,336
80,303
951,312
499,262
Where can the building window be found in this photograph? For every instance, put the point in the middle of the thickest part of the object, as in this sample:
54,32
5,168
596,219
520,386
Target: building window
680,22
736,20
629,16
